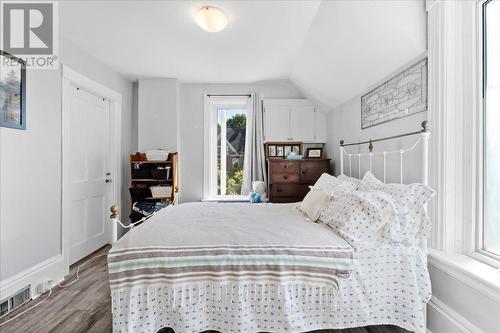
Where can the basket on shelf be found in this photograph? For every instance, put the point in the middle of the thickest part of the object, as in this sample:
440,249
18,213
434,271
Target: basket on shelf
141,173
160,173
161,191
137,191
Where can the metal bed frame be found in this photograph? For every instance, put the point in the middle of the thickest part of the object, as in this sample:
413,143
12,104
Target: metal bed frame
424,134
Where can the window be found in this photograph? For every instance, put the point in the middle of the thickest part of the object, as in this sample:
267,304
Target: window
490,240
225,127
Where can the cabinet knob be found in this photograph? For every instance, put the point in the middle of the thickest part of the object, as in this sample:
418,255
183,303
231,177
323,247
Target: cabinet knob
303,172
285,177
279,189
285,166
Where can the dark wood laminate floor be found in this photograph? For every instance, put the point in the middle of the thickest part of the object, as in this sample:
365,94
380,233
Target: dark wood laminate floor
86,306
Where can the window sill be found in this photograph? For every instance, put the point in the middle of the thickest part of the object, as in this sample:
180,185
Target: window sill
478,275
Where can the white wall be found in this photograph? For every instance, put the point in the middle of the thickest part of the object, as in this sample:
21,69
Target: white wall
30,167
191,126
157,114
30,179
457,305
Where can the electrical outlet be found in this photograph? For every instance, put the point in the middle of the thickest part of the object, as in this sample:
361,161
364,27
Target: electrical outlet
44,286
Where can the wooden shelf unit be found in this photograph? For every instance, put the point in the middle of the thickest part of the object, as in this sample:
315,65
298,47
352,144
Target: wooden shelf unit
140,158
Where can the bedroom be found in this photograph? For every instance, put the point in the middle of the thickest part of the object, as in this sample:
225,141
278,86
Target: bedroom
85,85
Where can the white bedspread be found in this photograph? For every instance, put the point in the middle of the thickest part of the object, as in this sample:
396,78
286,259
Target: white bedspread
388,285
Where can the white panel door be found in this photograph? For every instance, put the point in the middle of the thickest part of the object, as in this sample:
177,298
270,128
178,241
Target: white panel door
88,169
302,123
277,123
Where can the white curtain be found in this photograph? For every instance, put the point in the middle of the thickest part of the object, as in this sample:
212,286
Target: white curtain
254,165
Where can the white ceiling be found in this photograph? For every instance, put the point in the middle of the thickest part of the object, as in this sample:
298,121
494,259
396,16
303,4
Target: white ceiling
161,39
332,50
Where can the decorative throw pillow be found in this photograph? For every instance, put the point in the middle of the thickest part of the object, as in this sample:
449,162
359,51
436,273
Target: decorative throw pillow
361,217
314,202
410,201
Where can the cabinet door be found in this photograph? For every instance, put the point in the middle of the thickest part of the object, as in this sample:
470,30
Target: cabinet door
277,123
320,126
302,123
310,171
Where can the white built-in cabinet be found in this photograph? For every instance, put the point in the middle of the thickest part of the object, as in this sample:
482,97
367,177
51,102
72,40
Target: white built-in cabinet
293,120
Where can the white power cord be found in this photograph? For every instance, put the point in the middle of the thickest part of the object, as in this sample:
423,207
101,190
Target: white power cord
50,290
132,224
78,271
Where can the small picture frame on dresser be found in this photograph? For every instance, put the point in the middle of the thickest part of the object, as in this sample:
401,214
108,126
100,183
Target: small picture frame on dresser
314,153
271,151
279,151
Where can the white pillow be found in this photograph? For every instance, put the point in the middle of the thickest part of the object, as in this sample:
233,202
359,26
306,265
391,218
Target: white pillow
410,203
327,182
355,181
314,202
335,186
361,218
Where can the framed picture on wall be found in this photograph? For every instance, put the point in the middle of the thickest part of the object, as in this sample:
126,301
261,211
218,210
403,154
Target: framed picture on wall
296,150
12,91
288,150
402,95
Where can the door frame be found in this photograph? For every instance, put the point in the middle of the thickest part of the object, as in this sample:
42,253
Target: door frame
70,79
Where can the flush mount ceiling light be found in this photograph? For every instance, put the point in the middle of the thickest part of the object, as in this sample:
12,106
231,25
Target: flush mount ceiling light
211,19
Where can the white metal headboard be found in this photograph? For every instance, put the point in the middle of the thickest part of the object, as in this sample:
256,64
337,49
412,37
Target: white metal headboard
423,138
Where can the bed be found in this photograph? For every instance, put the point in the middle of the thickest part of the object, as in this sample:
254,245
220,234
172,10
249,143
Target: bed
267,268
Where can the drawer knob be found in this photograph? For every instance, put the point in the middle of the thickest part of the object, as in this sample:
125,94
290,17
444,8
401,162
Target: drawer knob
303,172
285,166
285,177
279,189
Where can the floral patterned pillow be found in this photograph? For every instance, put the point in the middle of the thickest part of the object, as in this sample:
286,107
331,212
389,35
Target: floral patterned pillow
411,201
361,218
355,181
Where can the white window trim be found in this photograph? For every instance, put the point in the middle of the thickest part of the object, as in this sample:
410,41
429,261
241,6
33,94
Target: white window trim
455,84
211,105
455,88
476,244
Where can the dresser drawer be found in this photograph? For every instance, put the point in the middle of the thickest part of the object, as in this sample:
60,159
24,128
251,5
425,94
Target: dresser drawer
284,167
289,190
284,177
287,199
310,171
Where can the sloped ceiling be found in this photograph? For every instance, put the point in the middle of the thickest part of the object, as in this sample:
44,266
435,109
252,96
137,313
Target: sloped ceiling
351,45
331,50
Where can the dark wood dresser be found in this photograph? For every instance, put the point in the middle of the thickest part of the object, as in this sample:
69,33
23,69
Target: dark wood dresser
289,180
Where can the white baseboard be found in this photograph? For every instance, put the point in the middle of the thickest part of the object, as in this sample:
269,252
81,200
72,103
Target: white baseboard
50,269
442,318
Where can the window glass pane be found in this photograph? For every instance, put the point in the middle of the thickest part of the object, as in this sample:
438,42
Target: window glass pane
491,38
231,133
